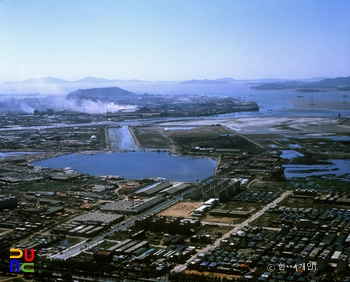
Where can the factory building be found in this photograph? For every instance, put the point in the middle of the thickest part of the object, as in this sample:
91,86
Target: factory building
323,260
342,263
222,190
200,210
230,213
135,248
102,256
174,225
211,203
99,217
8,202
132,207
119,245
174,190
87,225
153,189
78,229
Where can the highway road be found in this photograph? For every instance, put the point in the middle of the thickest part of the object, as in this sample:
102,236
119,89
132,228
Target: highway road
87,244
237,227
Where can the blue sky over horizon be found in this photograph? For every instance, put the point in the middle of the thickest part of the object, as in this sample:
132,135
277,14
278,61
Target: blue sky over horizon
174,40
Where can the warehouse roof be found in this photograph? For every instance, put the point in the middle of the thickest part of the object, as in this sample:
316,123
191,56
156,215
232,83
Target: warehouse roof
98,216
176,189
154,189
126,206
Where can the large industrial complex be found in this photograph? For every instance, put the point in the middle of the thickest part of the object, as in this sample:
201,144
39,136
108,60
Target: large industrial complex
256,217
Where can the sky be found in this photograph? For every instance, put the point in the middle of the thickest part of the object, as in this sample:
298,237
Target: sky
174,40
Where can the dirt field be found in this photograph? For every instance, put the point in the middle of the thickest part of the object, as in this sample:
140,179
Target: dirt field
181,209
218,219
184,209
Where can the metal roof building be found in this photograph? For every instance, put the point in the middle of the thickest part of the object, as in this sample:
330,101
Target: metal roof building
127,208
99,217
154,189
176,189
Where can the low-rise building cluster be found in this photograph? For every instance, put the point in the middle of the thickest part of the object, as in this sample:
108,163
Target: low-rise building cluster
88,225
309,252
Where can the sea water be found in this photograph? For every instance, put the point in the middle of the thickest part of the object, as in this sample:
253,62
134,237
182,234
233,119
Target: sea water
136,165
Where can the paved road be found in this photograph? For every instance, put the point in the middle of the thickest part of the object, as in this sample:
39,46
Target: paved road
84,245
216,244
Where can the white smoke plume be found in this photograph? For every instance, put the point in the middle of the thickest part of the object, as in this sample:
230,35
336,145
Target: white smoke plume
59,103
26,108
88,106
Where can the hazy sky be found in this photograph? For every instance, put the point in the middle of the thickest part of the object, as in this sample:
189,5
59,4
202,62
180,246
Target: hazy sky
174,40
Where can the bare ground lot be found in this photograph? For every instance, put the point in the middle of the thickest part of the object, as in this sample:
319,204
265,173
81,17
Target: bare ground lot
219,219
184,209
181,209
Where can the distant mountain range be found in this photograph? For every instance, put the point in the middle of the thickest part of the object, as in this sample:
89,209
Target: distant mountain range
103,94
228,80
88,79
315,84
339,83
41,80
224,80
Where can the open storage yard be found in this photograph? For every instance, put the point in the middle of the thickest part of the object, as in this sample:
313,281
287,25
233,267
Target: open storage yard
181,209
